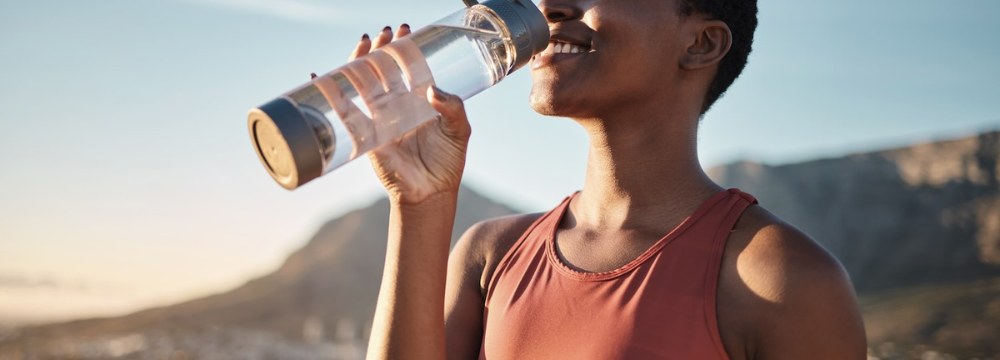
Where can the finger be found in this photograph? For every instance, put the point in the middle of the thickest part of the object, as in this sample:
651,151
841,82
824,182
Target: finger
383,38
363,47
403,30
455,122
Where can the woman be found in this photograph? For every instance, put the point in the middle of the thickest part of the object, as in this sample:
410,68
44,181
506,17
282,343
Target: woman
651,259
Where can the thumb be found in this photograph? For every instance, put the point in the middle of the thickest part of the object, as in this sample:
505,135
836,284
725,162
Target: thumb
453,122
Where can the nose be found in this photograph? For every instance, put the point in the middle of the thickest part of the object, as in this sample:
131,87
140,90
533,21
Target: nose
560,10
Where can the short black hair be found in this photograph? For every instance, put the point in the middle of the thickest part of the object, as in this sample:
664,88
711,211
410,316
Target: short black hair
741,17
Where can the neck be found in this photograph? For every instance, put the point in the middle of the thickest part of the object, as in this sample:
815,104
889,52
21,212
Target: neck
642,171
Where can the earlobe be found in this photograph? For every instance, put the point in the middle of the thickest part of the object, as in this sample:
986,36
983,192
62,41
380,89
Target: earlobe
711,44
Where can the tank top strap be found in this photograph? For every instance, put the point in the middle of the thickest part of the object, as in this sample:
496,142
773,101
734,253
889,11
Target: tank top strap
718,212
737,204
533,237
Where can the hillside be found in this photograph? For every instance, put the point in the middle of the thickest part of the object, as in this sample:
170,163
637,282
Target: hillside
959,319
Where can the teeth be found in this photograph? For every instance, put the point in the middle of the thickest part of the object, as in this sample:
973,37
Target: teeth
564,48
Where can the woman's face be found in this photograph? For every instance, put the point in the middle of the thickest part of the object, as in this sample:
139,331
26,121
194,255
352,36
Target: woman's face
605,54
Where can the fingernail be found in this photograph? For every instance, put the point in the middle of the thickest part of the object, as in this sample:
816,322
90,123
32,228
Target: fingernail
365,37
312,75
405,26
387,29
439,94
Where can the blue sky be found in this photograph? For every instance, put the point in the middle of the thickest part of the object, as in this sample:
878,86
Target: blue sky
128,179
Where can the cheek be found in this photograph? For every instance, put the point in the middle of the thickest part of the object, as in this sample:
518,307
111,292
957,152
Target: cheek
638,63
642,40
626,73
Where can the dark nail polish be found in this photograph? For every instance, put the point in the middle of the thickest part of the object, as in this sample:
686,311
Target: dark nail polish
387,28
405,26
365,37
312,76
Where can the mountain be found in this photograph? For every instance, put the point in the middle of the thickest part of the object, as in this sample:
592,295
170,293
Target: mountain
917,228
928,213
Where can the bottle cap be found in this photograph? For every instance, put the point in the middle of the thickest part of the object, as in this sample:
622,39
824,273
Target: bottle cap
527,26
285,143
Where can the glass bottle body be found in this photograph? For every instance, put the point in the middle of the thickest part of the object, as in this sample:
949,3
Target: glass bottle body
381,96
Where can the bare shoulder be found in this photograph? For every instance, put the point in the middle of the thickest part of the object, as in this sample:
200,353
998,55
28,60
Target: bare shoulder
776,259
484,244
784,296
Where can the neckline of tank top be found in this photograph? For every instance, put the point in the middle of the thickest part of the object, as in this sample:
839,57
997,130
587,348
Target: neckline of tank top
561,267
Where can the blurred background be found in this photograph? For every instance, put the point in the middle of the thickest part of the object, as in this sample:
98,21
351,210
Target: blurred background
136,221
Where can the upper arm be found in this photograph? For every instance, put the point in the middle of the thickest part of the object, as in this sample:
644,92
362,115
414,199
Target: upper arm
817,317
463,302
474,257
807,306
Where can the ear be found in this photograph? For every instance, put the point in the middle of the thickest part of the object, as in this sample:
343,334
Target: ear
710,44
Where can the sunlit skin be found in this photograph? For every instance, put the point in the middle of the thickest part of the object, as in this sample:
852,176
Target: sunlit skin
638,91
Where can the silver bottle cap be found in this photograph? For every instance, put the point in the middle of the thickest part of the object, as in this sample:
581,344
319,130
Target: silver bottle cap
527,26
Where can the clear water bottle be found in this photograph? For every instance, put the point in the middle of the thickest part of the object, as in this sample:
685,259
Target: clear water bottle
377,98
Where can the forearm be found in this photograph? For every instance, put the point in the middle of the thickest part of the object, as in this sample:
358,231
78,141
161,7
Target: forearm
409,318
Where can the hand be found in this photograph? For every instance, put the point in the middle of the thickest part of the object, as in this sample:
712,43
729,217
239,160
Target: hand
429,160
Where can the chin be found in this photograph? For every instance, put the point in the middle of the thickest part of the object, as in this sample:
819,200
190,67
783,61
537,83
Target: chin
541,105
547,102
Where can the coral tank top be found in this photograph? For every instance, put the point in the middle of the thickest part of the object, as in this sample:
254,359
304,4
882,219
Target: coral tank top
659,306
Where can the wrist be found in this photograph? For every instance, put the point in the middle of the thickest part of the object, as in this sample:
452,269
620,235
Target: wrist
435,202
424,223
